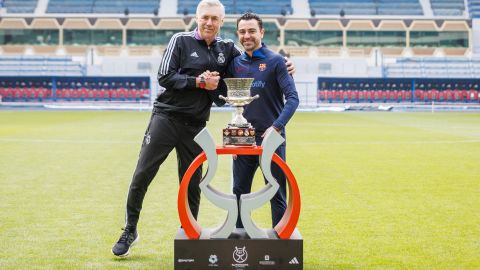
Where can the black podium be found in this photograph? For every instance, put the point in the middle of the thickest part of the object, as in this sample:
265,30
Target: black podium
238,252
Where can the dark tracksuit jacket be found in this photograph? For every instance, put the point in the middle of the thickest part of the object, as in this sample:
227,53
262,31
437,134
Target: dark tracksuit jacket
179,113
272,83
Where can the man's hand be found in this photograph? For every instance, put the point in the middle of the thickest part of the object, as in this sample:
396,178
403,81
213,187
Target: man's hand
209,73
290,66
211,79
212,82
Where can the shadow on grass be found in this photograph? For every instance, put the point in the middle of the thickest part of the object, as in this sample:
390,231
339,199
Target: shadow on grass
133,258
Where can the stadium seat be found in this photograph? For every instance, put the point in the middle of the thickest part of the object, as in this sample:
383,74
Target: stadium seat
464,95
16,93
29,93
122,94
419,93
321,95
448,95
472,96
90,95
83,93
331,95
355,96
113,94
130,94
408,95
457,95
342,95
377,95
370,95
394,96
59,94
4,92
362,96
97,94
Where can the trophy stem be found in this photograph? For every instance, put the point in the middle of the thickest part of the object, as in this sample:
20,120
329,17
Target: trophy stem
239,112
238,120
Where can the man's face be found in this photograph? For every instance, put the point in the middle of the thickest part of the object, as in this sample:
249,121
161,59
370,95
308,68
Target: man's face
250,35
209,21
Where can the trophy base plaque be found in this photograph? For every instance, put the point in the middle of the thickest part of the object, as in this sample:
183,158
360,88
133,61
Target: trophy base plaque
240,136
238,252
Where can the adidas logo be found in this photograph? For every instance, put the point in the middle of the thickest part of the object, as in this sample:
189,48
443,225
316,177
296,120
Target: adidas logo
194,54
294,261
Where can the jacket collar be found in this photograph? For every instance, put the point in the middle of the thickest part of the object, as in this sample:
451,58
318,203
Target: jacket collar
257,54
200,38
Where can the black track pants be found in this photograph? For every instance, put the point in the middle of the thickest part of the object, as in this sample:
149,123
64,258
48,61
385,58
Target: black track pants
163,134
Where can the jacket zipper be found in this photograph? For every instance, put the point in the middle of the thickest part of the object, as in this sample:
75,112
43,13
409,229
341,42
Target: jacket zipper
209,59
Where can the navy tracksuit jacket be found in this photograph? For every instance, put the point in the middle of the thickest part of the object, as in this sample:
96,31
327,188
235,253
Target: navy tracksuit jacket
272,83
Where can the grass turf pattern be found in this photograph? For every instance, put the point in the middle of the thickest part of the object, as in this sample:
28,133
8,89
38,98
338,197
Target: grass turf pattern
379,190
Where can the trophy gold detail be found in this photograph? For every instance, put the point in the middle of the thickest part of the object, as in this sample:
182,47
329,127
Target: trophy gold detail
238,132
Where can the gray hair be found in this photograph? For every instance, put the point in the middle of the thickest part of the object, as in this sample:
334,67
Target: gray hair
211,3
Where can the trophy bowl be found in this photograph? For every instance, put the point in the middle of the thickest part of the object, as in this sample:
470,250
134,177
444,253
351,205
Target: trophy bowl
238,88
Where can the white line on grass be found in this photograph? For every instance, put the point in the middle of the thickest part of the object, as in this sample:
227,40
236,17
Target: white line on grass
69,141
81,141
385,142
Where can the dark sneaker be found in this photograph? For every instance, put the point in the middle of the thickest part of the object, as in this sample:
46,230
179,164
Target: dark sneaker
128,238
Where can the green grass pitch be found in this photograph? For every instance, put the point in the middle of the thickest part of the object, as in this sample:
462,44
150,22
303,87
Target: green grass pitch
379,190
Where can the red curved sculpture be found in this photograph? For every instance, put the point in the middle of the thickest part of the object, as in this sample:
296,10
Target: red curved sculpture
284,228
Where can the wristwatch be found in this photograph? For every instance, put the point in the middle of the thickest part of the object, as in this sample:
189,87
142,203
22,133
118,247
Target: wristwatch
202,84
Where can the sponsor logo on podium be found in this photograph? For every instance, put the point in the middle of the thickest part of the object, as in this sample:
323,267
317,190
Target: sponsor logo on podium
266,261
213,259
186,260
294,261
240,255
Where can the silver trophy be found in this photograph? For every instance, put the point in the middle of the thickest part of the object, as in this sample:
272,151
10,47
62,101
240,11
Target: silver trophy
239,131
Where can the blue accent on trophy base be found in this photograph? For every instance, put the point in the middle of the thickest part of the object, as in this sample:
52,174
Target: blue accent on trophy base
238,252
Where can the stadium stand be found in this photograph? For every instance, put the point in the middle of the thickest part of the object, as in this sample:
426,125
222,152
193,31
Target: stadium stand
366,7
40,65
395,90
74,88
20,6
448,7
119,6
103,6
474,8
70,6
274,7
430,67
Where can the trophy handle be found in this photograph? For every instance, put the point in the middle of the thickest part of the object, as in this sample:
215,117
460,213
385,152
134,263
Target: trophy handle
222,97
250,99
254,97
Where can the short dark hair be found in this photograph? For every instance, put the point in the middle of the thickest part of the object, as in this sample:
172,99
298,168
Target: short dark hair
250,16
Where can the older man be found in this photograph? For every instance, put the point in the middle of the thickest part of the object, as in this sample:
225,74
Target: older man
181,111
